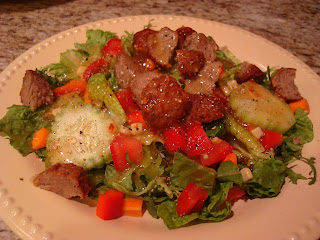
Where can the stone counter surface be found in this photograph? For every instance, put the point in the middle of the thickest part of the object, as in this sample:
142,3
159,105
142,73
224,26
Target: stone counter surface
294,25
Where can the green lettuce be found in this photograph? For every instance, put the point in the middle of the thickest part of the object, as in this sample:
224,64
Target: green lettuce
19,124
127,43
185,171
229,172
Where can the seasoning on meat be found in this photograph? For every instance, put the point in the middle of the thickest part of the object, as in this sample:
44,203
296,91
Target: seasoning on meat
249,71
163,102
161,46
139,83
205,81
199,42
65,179
140,49
126,68
205,108
189,62
283,84
35,91
183,32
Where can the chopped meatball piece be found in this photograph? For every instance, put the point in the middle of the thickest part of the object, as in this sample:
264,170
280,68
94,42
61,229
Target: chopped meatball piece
164,102
199,42
205,108
189,62
183,32
65,179
283,84
35,91
140,39
248,72
161,46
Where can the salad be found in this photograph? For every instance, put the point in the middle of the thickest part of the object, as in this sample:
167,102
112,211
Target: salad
163,120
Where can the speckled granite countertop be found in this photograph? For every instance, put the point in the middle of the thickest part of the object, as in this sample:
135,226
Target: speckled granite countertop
294,25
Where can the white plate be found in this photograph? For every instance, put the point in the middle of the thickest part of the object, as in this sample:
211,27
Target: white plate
37,214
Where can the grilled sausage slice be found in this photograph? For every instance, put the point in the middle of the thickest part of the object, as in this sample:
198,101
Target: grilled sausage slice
140,39
189,62
249,71
161,46
35,91
283,84
65,179
126,68
183,32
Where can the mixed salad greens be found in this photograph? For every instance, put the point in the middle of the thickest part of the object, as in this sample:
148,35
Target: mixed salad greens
97,126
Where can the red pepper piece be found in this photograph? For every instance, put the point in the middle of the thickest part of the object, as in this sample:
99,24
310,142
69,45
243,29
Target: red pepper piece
175,139
113,47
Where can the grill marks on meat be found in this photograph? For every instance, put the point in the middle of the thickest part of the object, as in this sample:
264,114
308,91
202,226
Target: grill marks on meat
249,71
126,68
199,42
140,49
35,91
161,46
163,102
205,108
183,32
189,62
283,84
65,179
205,81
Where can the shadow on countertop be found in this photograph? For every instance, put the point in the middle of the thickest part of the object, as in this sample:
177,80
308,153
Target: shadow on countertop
28,5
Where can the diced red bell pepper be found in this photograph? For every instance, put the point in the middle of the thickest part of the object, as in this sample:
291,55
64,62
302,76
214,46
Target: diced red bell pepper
235,192
72,86
113,47
197,140
216,153
175,139
99,66
136,117
110,205
125,98
122,145
191,200
271,139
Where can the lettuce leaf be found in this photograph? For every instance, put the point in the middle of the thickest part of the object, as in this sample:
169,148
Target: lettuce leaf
185,171
268,178
229,172
19,124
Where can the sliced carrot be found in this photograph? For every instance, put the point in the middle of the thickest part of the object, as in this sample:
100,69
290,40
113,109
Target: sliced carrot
72,86
132,207
235,192
86,97
303,104
231,157
40,138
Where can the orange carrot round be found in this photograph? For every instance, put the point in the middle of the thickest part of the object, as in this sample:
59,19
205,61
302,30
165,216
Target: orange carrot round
40,138
303,104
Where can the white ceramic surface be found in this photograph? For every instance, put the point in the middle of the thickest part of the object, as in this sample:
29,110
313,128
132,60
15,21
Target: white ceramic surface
37,214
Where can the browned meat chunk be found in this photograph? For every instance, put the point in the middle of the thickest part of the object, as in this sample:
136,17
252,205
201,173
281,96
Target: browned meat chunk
164,102
126,69
205,108
205,81
249,71
65,179
183,32
35,91
140,50
161,46
139,83
283,84
189,62
199,42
